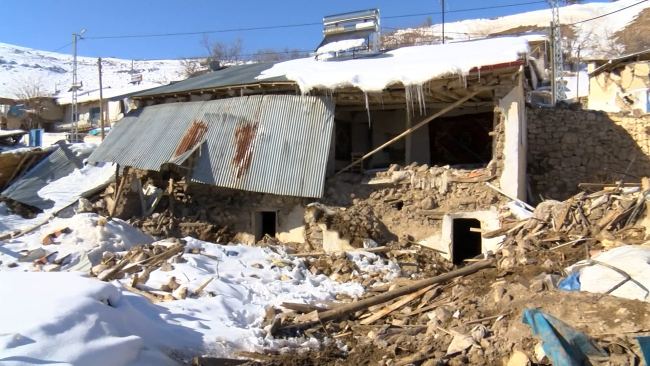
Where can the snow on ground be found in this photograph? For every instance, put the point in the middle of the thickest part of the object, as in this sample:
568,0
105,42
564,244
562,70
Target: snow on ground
573,89
54,71
408,65
90,236
103,323
594,33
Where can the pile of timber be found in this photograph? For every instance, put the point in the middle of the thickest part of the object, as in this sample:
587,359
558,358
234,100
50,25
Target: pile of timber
138,263
612,216
387,301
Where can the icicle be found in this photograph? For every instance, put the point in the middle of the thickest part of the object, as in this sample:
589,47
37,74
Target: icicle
423,106
367,107
407,96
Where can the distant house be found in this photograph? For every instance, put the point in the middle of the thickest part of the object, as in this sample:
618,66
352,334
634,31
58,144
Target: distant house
621,84
117,102
39,112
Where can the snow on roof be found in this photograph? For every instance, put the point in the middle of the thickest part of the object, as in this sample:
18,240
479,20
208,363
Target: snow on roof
93,95
408,65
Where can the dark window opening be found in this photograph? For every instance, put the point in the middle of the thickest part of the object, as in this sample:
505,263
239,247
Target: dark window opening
461,140
399,205
265,224
343,138
94,113
466,244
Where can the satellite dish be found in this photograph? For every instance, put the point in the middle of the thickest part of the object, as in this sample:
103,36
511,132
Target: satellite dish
214,65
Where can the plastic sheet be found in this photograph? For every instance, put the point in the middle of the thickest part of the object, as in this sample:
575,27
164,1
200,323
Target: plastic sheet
562,344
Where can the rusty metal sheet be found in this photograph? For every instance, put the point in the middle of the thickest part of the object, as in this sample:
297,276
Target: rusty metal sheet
273,144
193,137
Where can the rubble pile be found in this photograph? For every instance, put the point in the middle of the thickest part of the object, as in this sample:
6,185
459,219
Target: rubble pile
609,218
473,315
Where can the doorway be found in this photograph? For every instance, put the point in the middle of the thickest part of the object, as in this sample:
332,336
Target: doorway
466,244
265,224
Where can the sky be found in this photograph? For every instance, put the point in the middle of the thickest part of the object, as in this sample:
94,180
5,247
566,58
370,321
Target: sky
48,25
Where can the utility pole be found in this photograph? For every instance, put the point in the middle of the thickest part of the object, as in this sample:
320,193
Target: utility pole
75,117
557,72
101,97
443,21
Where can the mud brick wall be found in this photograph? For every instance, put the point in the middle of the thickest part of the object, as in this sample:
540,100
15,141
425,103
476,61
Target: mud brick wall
567,147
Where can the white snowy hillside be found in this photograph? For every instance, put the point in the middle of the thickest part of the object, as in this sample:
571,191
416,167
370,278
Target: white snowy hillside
603,37
19,65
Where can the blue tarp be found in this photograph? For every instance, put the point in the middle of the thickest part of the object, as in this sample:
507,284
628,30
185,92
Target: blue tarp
563,344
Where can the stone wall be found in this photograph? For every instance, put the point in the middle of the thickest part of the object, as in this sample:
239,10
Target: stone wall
567,147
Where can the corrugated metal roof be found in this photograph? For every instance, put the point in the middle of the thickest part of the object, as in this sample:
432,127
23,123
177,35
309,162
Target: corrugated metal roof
272,144
57,165
229,76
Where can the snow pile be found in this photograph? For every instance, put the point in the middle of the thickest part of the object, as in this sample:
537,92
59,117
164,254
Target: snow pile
69,189
63,318
370,262
408,65
99,324
82,148
342,45
90,237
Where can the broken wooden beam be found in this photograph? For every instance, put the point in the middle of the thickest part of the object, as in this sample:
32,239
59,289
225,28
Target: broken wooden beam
392,307
353,307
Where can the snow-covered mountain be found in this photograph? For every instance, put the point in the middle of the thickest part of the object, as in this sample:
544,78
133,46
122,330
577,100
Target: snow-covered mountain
604,37
627,30
53,71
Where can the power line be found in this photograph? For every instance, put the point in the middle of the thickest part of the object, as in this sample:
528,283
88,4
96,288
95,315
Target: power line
604,15
301,24
62,47
464,10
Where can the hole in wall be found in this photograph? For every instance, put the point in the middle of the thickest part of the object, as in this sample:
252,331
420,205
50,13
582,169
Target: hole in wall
399,205
466,244
265,224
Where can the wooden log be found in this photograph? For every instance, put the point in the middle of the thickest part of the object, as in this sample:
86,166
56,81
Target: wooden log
302,308
317,254
599,186
118,194
353,307
482,178
394,306
203,285
504,229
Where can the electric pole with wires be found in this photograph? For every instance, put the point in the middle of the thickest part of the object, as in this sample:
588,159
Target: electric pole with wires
75,86
557,69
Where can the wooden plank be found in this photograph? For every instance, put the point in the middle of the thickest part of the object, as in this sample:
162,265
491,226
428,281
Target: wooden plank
392,307
504,229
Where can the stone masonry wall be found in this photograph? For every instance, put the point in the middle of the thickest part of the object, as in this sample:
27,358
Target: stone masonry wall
567,147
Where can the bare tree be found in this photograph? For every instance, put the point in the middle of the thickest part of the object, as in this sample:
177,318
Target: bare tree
223,52
31,92
611,45
191,67
271,54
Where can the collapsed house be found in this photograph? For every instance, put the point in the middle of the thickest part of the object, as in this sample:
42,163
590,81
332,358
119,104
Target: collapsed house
621,84
262,142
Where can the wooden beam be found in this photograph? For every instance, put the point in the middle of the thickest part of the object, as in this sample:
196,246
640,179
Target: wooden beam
410,130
